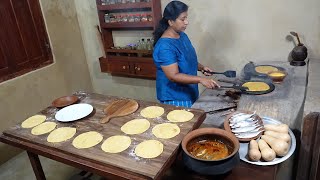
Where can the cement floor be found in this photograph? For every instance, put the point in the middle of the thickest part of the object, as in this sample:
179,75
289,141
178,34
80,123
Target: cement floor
19,168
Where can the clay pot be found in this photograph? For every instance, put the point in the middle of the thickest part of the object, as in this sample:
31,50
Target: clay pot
211,167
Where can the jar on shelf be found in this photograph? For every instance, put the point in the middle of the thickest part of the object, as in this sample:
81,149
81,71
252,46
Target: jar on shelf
149,45
112,18
107,18
137,18
144,18
131,18
123,1
138,0
149,16
132,1
112,1
124,18
118,18
143,44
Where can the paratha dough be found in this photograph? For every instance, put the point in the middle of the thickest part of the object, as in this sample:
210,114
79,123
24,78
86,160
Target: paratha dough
179,116
87,140
256,86
152,112
33,121
116,144
61,134
166,130
149,149
135,126
43,128
265,69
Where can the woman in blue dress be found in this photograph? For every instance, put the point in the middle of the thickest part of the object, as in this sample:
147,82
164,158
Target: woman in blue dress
176,59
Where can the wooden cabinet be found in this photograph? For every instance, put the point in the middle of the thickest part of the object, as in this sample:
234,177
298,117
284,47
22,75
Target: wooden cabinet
127,62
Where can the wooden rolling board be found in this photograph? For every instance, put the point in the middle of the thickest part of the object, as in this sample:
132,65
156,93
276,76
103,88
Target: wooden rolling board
118,108
126,160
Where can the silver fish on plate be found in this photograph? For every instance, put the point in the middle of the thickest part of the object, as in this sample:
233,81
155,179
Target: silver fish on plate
246,135
239,118
245,129
247,122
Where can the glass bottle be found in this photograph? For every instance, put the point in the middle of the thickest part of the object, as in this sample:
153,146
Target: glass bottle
143,44
112,18
124,18
130,18
118,18
152,42
112,1
149,45
106,18
138,45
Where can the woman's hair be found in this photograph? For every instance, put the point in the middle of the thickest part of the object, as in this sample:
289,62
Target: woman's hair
171,12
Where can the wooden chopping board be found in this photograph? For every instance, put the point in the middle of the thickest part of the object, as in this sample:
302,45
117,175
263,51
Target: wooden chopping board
118,108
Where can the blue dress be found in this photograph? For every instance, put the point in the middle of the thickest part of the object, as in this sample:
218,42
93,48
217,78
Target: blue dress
166,52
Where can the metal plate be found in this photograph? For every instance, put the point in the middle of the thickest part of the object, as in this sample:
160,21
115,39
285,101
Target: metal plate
243,151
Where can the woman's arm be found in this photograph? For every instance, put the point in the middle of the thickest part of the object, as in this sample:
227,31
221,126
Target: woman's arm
173,74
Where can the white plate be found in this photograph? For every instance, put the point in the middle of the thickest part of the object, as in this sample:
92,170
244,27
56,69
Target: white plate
73,112
243,151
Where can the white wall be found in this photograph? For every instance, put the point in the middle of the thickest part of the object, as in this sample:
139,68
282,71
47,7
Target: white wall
226,34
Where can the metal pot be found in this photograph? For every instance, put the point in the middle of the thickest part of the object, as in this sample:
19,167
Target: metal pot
299,53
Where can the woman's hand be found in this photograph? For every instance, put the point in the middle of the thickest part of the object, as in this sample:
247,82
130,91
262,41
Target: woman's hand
209,83
204,69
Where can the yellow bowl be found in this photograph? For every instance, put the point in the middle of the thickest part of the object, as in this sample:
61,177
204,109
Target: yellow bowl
277,76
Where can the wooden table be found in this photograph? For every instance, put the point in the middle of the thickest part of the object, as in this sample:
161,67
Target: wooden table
285,104
125,165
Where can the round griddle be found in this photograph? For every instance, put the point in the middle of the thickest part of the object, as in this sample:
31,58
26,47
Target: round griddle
271,88
255,73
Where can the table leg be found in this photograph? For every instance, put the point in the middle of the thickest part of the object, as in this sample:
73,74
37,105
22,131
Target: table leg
36,166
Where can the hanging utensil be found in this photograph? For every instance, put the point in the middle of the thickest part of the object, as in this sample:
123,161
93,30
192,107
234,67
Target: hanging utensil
226,73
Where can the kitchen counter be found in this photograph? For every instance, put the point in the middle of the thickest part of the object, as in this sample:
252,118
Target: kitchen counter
285,104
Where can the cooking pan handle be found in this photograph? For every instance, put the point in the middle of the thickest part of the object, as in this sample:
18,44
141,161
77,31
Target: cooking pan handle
241,88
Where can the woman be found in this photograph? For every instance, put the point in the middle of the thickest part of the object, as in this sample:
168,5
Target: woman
176,59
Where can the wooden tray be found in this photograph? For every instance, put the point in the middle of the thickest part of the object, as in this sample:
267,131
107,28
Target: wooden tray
227,126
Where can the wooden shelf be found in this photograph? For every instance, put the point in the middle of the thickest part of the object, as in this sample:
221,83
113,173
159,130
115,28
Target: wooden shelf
115,25
138,5
127,62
